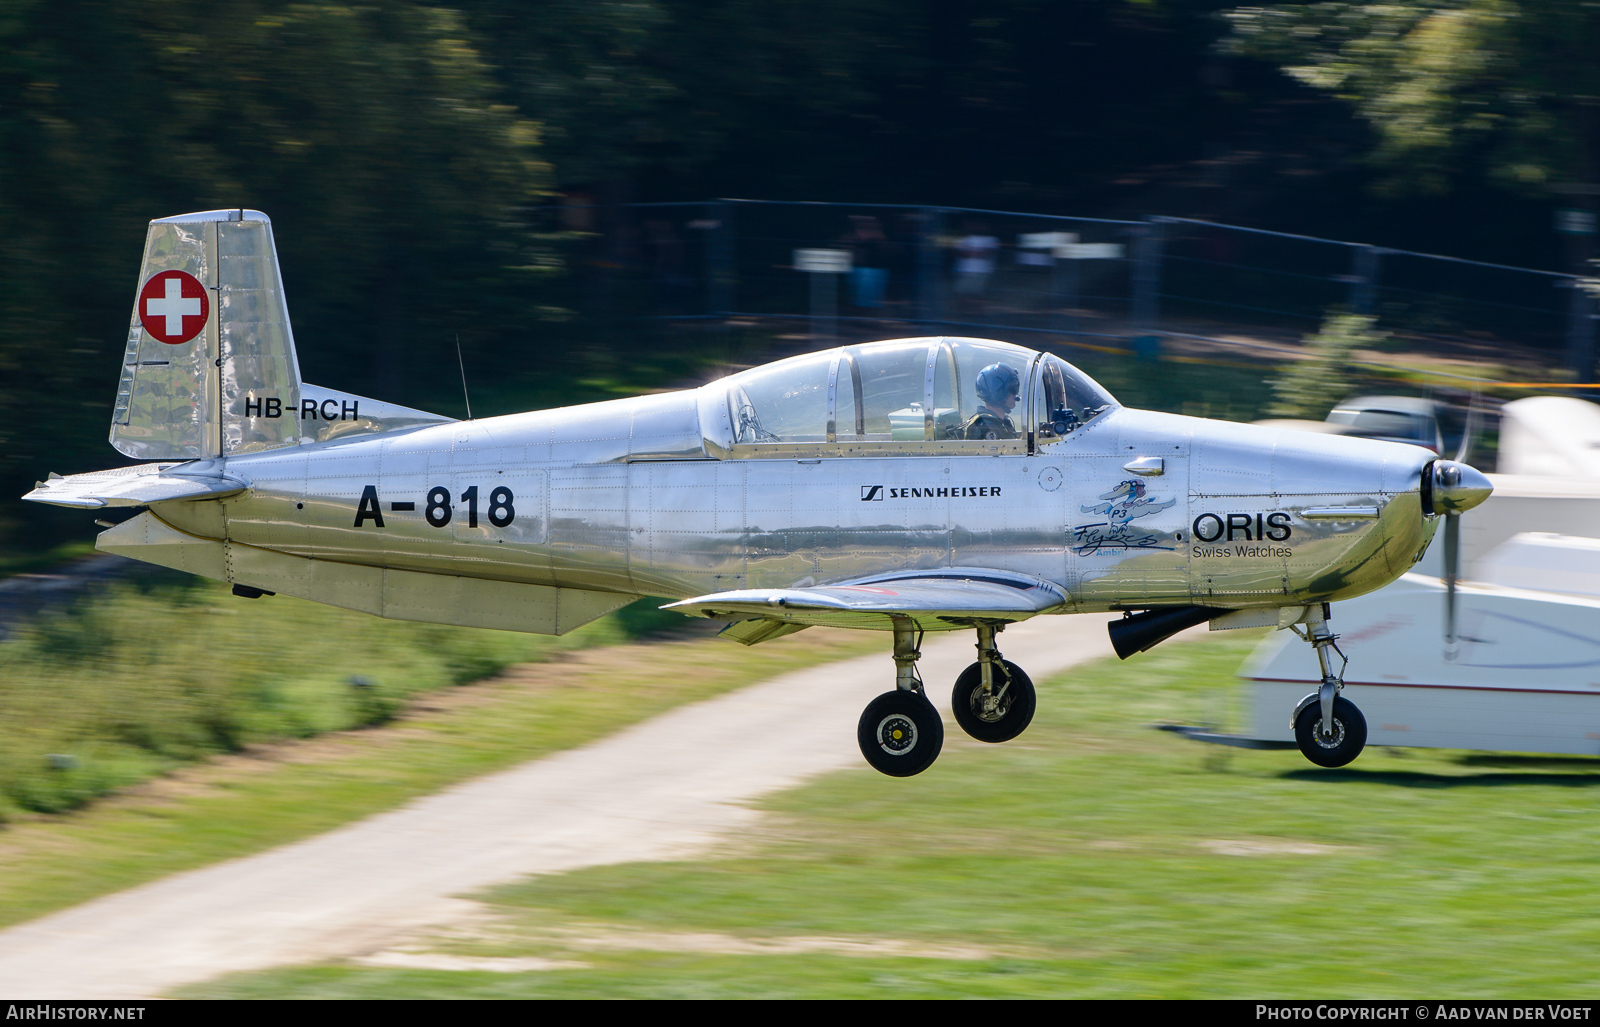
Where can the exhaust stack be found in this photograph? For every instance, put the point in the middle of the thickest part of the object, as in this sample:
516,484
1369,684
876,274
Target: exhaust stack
1140,632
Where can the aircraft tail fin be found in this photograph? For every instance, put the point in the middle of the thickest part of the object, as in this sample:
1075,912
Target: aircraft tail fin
210,367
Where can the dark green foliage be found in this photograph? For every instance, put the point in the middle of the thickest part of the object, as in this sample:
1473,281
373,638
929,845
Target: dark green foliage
1469,87
371,702
644,618
1310,388
398,180
151,673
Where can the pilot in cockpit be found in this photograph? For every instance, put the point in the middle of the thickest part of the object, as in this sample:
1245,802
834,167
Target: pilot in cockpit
998,387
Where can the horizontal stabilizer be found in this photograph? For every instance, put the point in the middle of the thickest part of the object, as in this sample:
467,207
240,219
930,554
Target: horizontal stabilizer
327,414
133,486
940,602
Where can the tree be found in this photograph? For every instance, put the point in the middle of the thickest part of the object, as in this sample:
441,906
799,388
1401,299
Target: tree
1311,386
1506,89
400,182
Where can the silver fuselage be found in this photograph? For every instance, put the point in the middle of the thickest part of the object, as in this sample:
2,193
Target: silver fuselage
636,496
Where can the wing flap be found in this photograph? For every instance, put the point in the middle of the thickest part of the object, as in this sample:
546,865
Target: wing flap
758,629
132,486
936,603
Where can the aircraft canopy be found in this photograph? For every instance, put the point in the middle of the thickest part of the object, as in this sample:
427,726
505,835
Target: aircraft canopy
913,390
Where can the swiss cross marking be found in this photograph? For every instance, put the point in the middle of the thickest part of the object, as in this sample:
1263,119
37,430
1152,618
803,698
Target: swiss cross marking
173,306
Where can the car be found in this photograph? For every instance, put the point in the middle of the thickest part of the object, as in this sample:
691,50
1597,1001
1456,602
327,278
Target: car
1390,418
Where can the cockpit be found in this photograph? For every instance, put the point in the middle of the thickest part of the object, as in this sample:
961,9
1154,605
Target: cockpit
905,395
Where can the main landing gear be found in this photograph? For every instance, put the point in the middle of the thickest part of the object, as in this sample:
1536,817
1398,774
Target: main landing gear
901,733
993,698
1328,728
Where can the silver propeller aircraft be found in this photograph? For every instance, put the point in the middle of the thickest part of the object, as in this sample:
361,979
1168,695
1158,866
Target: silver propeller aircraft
908,486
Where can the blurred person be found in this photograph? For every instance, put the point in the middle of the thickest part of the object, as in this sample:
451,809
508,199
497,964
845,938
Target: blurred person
869,273
976,253
998,387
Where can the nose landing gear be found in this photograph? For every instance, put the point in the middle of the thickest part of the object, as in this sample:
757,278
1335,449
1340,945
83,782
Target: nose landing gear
1328,728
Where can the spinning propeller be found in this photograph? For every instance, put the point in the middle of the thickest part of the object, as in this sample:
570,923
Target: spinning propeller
1449,488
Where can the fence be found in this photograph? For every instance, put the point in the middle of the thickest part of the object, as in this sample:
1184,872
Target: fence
958,269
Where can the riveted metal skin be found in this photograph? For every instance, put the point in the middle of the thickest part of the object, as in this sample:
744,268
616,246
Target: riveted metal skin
653,495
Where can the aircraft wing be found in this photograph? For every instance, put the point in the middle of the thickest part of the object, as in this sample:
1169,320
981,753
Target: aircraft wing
132,486
940,602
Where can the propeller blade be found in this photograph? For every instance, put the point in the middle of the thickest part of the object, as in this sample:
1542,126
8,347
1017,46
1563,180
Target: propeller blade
1452,569
1450,487
1467,429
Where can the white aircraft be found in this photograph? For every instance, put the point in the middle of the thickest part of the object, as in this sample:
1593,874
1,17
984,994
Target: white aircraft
910,485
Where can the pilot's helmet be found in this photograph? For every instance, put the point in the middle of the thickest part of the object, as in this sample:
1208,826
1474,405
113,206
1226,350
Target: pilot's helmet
997,381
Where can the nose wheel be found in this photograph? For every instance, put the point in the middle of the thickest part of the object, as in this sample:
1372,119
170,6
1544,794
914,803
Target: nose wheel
1333,748
1328,728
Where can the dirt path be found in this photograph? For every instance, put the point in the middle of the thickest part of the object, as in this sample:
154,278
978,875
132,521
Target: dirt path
663,789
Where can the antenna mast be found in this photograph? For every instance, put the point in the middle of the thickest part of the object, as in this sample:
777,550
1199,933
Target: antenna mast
462,364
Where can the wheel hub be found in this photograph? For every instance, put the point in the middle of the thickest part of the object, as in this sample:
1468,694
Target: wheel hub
991,708
897,734
1329,741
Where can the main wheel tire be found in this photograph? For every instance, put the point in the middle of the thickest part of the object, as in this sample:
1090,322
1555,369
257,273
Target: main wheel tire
900,733
1349,734
1008,718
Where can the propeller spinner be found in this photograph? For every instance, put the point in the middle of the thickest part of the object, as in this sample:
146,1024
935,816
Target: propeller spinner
1449,489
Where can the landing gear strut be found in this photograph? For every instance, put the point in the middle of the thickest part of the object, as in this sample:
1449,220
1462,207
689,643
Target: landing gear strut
993,699
900,732
1328,728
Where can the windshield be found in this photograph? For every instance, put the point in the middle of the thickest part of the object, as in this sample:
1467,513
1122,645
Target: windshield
782,402
1066,399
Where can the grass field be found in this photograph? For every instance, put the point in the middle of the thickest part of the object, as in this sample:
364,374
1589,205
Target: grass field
1092,857
150,672
146,680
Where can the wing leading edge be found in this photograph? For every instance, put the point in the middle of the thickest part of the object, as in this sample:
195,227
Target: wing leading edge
941,602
